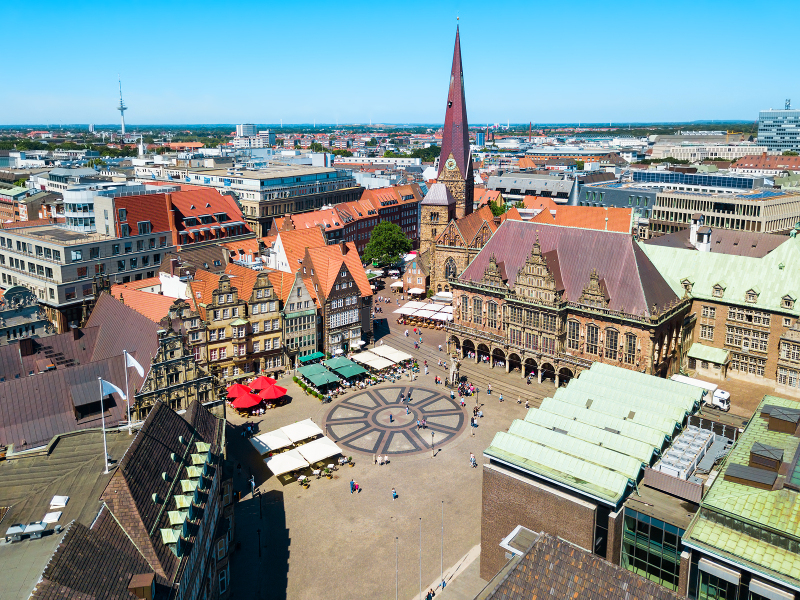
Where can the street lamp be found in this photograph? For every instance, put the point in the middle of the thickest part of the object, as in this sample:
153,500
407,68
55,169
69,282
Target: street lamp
432,453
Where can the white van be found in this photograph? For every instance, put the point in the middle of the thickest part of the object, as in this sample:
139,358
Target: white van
712,395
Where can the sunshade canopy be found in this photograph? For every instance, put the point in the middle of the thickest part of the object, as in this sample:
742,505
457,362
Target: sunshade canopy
248,401
391,353
318,375
397,284
309,357
237,389
272,440
272,392
405,310
319,450
349,371
414,304
262,382
302,430
286,462
416,291
424,314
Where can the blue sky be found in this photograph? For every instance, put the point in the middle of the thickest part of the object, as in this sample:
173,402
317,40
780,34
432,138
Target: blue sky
546,62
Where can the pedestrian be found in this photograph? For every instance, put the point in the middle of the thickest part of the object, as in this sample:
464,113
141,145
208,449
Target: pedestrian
402,397
444,584
424,423
391,418
418,424
519,399
426,370
527,404
452,395
406,408
473,463
352,486
440,347
394,494
501,397
489,389
252,485
357,488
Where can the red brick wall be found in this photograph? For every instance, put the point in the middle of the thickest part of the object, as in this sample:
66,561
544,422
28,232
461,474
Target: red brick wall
509,500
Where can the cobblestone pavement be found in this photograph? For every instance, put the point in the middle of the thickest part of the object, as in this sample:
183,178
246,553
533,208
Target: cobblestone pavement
324,542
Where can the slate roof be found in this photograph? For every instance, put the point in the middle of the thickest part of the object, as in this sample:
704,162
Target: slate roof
632,281
60,350
122,328
469,225
438,195
774,276
725,241
554,568
95,563
205,257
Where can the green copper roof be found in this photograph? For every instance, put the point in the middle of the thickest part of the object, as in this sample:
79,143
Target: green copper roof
751,524
592,441
717,356
774,276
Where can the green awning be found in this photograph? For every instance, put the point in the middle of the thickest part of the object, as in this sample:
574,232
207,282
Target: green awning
718,356
309,357
337,361
238,322
318,375
349,371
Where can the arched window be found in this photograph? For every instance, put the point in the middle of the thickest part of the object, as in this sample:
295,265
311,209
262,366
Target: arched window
491,314
630,349
612,343
573,335
592,336
464,307
477,311
450,268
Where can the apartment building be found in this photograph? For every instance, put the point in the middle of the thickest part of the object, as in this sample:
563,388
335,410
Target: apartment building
236,330
58,264
779,129
264,194
766,211
766,165
697,152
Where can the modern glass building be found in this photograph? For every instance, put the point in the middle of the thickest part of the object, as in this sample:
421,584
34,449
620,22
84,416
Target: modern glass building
651,548
779,129
696,179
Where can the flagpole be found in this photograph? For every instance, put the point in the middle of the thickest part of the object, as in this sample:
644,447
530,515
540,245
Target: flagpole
127,395
103,417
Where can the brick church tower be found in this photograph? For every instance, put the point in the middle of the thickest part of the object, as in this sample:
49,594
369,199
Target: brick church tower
455,161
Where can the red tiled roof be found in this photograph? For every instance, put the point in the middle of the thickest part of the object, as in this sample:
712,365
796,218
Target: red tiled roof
540,202
153,306
326,218
202,201
768,162
138,285
484,196
326,261
250,246
147,207
201,287
296,242
282,283
243,279
588,217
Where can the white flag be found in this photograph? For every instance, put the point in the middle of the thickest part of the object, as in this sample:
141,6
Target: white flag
110,388
132,362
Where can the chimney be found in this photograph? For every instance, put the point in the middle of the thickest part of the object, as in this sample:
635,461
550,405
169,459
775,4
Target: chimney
344,248
143,585
76,333
697,220
26,347
173,265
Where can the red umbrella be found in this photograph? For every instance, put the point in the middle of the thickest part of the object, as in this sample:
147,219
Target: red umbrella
262,383
237,389
272,392
248,401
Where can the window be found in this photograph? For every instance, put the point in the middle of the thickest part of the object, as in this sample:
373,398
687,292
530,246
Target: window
128,247
592,335
711,587
76,255
790,351
612,343
124,230
139,245
464,307
115,249
548,322
145,227
156,258
57,255
573,335
491,315
223,352
746,339
718,291
69,293
123,214
787,322
707,332
94,252
477,310
709,312
134,263
651,548
221,549
630,348
226,313
256,346
532,341
214,354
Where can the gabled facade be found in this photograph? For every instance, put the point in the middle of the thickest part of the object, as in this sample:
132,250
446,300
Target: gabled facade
554,306
300,320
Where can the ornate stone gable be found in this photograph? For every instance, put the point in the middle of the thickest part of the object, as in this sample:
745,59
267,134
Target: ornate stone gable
595,293
535,280
451,236
492,275
482,237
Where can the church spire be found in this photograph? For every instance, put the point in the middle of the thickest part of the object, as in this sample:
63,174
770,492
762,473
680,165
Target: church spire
455,136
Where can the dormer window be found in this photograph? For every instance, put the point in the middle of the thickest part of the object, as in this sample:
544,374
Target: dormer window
718,291
751,296
787,302
687,285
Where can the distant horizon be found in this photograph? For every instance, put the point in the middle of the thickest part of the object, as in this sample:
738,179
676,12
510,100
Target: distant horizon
611,124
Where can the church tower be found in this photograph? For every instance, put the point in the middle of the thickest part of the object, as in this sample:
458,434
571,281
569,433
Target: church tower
455,160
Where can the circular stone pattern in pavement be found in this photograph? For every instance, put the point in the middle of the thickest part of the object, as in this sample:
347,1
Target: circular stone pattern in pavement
362,422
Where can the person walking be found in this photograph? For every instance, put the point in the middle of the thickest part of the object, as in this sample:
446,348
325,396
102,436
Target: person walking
473,463
394,494
501,397
406,408
489,389
519,399
352,486
357,490
426,369
527,404
252,485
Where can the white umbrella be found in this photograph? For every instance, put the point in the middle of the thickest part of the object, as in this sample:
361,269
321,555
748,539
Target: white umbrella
397,284
286,462
416,291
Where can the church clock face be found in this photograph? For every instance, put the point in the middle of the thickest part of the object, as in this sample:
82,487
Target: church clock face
450,164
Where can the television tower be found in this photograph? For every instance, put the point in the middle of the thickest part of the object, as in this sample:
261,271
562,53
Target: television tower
121,108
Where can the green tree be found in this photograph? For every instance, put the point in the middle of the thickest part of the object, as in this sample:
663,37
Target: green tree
20,182
579,165
96,162
317,147
387,244
338,152
497,208
790,153
372,142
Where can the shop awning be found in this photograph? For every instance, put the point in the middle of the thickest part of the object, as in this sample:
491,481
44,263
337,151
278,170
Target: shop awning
309,357
319,450
272,440
414,304
424,314
441,316
397,284
302,430
286,462
416,291
391,353
353,370
405,310
318,375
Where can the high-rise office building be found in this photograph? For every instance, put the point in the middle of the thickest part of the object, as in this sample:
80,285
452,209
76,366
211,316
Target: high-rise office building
245,130
779,129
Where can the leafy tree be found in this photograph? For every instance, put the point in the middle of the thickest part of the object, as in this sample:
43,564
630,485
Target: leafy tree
20,182
497,208
387,244
790,153
579,165
519,204
317,147
96,162
338,152
372,142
